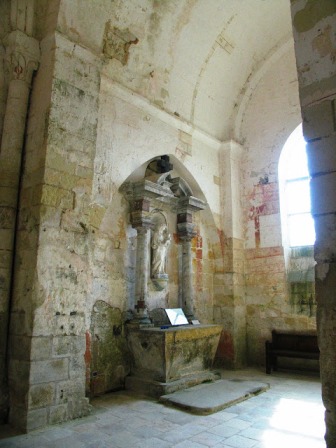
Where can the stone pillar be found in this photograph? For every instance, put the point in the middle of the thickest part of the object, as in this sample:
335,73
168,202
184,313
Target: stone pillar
230,302
314,28
142,272
187,285
141,222
22,56
186,231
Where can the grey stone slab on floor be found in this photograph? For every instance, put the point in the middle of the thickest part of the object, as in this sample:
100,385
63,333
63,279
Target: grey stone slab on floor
212,397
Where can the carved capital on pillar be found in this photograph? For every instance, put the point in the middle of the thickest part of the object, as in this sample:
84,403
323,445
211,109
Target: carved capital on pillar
185,227
186,207
139,213
22,56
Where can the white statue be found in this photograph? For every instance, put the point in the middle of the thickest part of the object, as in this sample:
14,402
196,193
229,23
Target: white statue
160,243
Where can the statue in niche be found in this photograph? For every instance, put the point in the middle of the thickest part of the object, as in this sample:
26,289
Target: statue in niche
160,244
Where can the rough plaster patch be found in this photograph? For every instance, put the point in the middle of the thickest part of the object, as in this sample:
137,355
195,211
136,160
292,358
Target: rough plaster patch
185,143
117,43
312,13
323,43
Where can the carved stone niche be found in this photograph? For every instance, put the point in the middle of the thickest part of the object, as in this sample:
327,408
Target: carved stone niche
159,243
156,192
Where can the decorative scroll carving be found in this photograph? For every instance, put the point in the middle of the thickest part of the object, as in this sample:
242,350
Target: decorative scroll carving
22,56
21,67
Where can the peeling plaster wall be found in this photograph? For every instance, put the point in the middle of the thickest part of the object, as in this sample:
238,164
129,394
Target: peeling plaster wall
273,112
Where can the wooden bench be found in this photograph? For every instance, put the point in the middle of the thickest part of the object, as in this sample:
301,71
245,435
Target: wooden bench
290,345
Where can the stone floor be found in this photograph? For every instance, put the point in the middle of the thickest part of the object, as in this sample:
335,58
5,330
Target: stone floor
290,414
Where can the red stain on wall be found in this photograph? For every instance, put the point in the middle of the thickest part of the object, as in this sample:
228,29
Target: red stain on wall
225,349
257,230
267,198
176,238
199,275
199,247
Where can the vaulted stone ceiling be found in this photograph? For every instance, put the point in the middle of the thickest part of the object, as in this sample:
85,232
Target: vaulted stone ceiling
196,59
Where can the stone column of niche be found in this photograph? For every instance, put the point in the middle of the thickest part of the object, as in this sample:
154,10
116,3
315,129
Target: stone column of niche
186,231
22,57
142,223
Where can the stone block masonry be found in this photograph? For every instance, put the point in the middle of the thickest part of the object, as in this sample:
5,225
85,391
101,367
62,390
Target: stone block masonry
55,316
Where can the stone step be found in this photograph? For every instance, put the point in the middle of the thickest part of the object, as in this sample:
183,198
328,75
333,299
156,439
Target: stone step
208,398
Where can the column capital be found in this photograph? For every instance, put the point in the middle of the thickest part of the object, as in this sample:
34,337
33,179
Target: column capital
186,207
140,213
22,56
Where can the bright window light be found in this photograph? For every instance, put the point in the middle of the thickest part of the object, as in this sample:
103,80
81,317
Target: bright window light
294,176
295,423
301,230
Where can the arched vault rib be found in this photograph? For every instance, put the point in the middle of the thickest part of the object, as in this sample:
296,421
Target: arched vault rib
281,48
217,44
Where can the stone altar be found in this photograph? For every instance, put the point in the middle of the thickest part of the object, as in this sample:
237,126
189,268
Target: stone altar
169,359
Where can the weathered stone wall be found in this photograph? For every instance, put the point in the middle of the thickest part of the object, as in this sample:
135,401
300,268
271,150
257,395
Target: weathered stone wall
22,59
4,30
49,311
75,242
4,218
272,114
315,46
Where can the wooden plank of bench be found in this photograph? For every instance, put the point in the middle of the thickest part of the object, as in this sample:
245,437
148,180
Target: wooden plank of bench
291,345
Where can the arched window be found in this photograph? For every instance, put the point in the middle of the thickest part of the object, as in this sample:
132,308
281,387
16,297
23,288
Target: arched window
297,222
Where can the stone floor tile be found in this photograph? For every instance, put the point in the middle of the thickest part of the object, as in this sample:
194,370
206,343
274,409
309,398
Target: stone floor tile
145,431
207,421
92,437
180,418
173,437
56,433
189,444
26,441
224,416
238,423
238,441
153,442
278,439
165,425
100,444
123,439
112,429
7,444
121,420
253,433
207,438
223,430
190,429
67,442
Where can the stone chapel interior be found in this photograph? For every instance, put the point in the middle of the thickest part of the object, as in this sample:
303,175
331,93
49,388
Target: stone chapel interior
139,171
